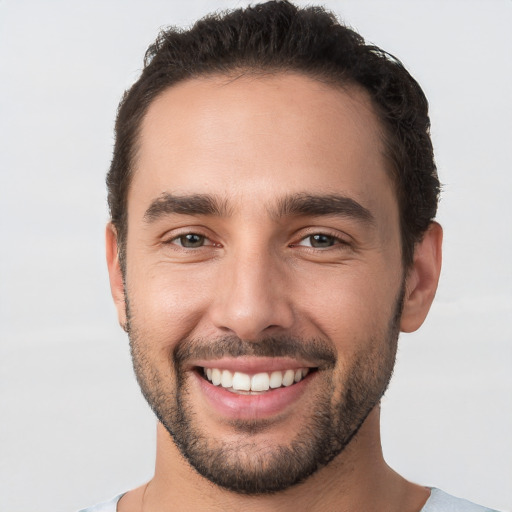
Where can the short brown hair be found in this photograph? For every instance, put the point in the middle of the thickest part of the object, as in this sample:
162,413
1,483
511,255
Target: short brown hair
278,36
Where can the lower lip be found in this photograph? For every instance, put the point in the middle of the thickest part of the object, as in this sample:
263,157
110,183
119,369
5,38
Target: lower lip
249,407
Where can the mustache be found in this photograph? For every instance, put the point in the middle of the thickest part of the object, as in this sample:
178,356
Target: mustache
317,352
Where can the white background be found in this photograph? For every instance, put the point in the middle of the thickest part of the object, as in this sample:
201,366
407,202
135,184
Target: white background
73,427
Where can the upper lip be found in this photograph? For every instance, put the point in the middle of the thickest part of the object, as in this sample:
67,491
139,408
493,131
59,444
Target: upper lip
253,365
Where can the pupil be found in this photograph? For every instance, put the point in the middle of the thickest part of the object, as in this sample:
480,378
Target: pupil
322,241
192,240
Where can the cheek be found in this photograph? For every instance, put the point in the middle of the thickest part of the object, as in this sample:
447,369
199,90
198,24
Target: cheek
166,305
348,304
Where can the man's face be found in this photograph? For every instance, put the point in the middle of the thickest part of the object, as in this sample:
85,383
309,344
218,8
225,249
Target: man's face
263,251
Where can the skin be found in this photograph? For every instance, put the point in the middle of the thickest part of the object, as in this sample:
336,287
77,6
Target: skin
250,142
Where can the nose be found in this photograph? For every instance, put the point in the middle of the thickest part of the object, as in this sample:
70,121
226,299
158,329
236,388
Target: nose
252,299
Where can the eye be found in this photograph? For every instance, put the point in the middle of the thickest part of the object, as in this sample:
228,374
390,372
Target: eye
191,241
320,241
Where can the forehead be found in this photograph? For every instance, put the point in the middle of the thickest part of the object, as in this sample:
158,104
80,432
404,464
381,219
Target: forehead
260,136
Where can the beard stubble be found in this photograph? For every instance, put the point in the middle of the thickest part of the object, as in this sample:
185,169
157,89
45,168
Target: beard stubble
248,465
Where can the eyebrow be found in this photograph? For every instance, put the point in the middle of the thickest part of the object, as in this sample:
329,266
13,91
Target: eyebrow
288,206
323,205
194,204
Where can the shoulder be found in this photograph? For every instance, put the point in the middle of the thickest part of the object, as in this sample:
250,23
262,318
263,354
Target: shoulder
106,506
440,501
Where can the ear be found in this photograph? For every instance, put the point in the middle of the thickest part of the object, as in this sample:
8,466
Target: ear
115,274
422,278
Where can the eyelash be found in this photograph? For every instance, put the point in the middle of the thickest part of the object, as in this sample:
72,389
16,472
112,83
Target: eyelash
182,236
335,241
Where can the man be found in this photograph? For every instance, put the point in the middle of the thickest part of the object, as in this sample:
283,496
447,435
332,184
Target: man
273,194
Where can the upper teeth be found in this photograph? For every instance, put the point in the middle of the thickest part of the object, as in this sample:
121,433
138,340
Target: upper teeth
239,381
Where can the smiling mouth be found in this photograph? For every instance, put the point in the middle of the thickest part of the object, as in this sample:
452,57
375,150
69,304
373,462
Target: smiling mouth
244,383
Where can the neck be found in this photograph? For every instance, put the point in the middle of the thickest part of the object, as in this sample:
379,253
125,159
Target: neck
357,479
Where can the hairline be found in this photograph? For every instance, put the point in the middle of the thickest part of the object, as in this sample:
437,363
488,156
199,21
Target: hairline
332,79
